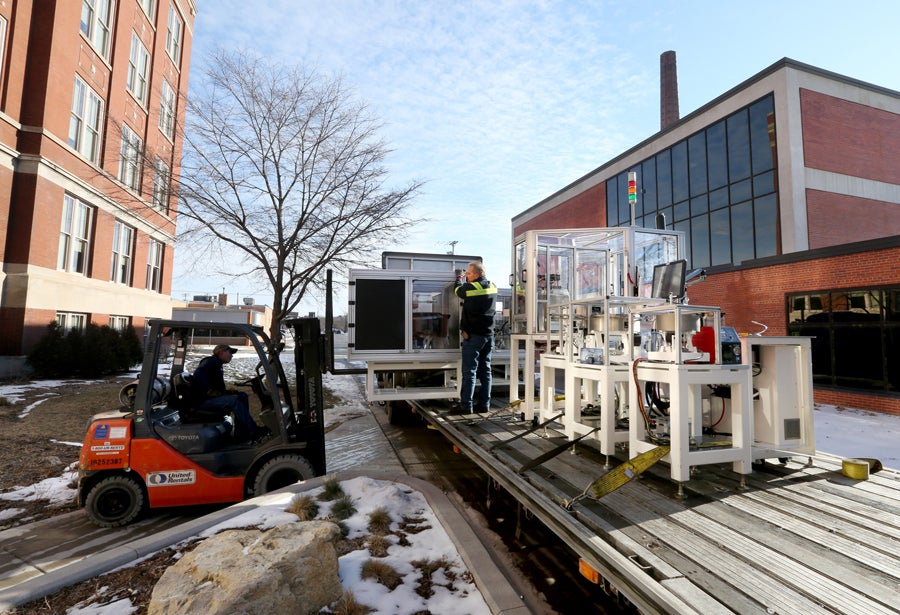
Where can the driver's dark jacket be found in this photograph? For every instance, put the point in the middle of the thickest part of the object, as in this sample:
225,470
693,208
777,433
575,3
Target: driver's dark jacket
208,379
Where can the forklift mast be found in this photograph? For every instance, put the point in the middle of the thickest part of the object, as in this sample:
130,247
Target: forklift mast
310,363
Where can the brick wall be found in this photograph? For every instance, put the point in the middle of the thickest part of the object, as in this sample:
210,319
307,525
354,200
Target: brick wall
587,210
759,293
849,138
860,219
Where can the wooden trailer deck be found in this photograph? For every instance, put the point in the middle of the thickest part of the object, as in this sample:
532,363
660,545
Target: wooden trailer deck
797,538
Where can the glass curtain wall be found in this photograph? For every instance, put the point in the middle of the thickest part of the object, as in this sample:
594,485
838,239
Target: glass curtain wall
719,186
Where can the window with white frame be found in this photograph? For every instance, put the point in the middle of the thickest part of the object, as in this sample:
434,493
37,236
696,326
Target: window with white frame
173,35
130,158
68,321
160,185
75,236
122,254
96,17
86,120
119,323
138,70
148,6
3,27
167,110
154,265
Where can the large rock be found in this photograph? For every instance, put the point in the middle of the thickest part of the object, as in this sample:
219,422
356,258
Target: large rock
292,568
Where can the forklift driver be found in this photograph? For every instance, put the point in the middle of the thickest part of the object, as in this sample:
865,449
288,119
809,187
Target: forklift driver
210,393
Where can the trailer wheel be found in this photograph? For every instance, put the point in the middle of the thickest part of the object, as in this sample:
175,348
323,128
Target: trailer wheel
115,501
280,472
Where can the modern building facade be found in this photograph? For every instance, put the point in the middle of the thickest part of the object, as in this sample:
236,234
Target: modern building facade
91,98
788,192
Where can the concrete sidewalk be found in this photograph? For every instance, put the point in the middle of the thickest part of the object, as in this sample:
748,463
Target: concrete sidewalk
356,444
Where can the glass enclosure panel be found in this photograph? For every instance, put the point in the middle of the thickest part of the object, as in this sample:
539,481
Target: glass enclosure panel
518,306
435,322
590,273
560,266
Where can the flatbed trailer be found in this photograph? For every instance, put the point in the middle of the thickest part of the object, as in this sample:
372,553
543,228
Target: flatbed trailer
610,370
796,536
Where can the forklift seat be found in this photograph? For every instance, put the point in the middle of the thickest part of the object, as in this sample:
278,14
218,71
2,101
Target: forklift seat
182,400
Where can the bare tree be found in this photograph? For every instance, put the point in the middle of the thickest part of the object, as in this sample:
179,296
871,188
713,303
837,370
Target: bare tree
285,170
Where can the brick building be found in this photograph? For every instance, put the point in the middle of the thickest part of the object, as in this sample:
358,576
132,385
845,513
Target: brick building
91,97
788,191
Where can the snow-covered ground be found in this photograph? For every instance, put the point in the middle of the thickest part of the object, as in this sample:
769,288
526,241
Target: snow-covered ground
845,432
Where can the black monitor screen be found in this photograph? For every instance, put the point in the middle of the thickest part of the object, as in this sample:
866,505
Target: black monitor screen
668,280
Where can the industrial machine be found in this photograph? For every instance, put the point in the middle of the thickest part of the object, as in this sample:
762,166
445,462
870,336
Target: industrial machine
158,451
404,323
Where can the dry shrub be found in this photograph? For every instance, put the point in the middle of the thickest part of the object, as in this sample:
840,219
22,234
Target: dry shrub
424,587
382,573
414,525
380,521
304,506
378,545
348,605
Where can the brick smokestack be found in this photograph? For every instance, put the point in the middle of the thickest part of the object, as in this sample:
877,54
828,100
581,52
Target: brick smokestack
668,90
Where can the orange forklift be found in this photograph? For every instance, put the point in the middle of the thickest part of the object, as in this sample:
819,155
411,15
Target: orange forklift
158,451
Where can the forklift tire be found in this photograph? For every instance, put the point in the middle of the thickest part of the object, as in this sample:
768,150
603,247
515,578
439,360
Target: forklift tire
115,501
280,472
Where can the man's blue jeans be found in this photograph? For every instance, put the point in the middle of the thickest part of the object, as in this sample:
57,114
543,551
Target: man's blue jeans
476,363
239,405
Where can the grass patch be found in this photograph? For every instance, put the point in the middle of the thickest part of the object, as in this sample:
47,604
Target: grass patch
348,605
304,506
331,490
380,521
382,573
378,545
343,508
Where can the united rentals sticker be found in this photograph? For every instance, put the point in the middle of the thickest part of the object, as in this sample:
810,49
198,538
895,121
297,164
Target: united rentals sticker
107,449
173,477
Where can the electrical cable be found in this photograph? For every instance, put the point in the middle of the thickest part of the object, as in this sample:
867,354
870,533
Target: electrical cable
650,435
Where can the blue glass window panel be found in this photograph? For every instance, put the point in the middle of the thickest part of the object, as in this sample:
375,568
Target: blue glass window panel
700,241
720,237
741,191
699,205
762,134
764,184
716,156
766,225
738,146
742,232
718,198
697,163
679,172
664,179
647,187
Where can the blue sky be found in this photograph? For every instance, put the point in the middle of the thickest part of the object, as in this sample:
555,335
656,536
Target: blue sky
498,104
